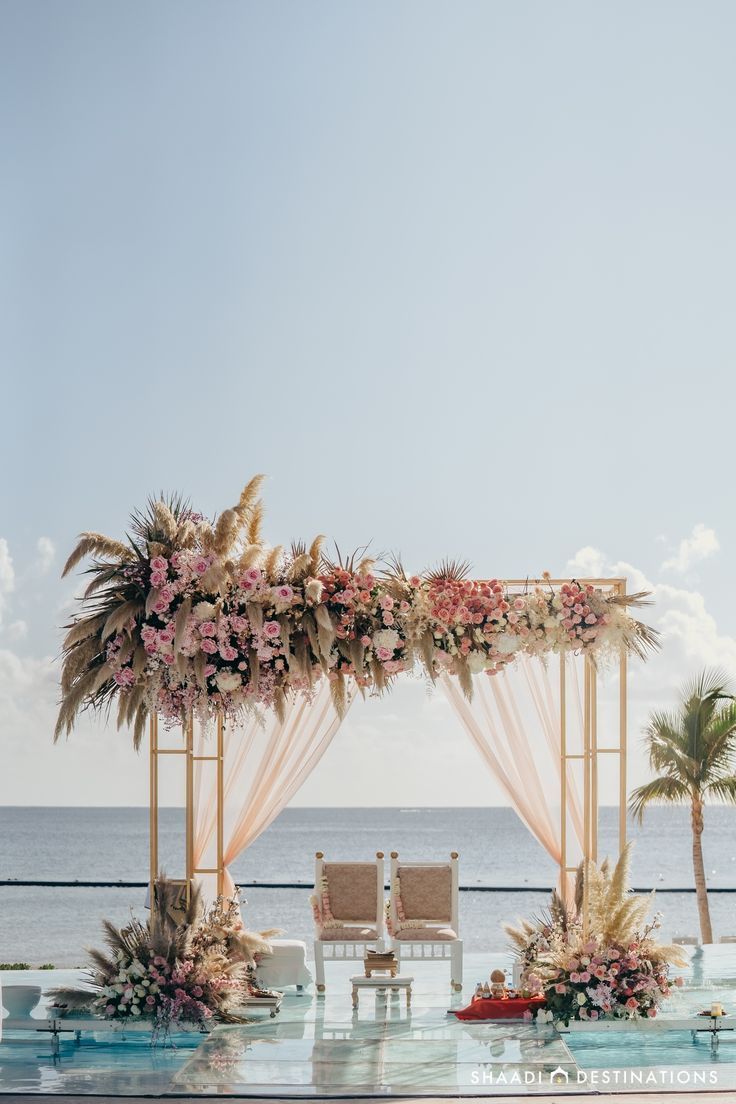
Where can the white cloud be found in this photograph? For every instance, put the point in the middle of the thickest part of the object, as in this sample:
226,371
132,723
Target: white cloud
701,543
45,554
7,575
17,630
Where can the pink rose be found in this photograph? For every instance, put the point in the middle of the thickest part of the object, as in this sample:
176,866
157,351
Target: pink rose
632,1003
166,595
384,654
160,606
208,628
271,630
228,653
208,645
386,602
150,1000
200,565
366,641
158,578
238,624
253,575
210,669
560,988
158,563
388,617
593,1013
414,581
284,593
585,977
168,658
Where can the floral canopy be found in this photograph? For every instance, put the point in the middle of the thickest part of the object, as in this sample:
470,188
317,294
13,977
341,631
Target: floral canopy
193,615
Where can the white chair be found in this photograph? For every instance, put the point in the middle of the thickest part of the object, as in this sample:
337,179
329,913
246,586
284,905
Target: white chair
348,911
424,914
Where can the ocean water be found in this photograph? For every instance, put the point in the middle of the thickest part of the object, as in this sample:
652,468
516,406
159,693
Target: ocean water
56,924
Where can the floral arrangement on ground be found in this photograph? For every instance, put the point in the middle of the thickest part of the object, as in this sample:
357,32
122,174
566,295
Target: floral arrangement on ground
188,615
611,967
182,966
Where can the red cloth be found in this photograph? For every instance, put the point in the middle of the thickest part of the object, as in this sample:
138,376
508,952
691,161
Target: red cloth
490,1008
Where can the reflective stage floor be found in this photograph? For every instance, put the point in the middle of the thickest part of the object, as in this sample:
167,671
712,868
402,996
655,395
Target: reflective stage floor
317,1046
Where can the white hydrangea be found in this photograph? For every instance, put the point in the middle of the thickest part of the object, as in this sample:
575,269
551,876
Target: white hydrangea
228,681
386,638
204,611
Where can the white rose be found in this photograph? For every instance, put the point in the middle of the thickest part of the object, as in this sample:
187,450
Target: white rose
204,611
582,999
228,681
476,662
135,1011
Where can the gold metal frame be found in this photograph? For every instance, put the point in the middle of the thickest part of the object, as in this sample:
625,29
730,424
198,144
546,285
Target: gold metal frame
218,758
589,756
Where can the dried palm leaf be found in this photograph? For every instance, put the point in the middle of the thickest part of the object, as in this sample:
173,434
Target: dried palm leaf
449,571
100,544
315,554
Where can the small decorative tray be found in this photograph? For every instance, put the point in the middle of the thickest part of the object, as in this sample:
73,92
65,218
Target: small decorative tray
707,1012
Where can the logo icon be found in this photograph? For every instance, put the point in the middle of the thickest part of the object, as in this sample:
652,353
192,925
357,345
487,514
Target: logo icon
559,1076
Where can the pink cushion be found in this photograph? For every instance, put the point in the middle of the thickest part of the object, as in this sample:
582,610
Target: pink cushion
353,890
346,932
426,935
426,892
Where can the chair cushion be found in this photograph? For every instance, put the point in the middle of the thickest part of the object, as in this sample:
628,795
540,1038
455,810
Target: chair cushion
426,892
347,932
353,890
426,934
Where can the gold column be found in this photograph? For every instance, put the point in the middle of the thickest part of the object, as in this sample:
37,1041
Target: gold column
220,769
189,806
563,775
153,801
623,738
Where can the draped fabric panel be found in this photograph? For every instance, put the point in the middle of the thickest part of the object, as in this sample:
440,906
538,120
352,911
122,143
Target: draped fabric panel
265,763
514,722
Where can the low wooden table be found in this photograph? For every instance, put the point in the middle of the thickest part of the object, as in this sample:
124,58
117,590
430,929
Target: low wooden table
360,981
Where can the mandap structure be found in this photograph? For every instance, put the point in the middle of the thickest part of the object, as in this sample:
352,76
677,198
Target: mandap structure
244,658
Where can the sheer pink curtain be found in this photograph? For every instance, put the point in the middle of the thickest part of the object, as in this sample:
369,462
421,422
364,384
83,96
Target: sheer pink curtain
265,763
514,722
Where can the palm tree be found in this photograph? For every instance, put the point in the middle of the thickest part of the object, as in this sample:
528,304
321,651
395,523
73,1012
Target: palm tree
693,752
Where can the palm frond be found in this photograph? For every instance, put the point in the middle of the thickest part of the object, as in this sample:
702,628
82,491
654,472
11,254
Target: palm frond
450,570
666,789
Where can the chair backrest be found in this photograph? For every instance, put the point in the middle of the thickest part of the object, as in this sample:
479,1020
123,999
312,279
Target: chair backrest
354,889
429,891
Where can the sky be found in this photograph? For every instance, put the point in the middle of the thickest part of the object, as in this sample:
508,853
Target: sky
458,277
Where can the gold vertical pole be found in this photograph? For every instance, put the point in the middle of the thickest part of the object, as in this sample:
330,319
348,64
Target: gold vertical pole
189,808
623,725
563,777
220,767
586,788
594,762
153,801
